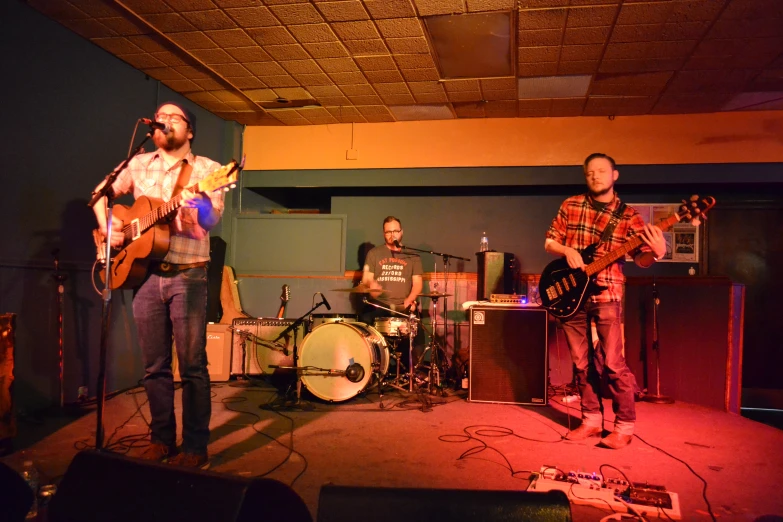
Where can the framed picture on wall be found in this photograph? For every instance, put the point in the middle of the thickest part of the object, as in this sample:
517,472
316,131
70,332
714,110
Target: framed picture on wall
682,240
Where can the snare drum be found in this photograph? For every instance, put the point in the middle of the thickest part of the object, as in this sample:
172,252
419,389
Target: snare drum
319,319
393,326
335,346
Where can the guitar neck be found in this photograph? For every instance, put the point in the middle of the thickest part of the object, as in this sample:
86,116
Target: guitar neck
165,210
629,246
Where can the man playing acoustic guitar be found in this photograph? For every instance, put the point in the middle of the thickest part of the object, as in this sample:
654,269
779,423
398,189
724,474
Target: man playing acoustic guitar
172,296
581,221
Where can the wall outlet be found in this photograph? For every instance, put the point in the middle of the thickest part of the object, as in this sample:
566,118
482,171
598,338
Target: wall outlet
352,154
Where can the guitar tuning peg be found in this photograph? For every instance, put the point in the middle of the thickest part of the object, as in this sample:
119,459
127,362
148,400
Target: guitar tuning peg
225,189
233,185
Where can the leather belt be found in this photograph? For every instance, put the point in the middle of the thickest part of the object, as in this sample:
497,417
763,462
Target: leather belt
172,267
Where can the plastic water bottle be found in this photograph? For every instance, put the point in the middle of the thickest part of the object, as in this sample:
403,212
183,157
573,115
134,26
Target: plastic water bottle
484,245
30,475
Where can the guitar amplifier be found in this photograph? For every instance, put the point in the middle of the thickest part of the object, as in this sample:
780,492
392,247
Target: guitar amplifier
218,353
255,345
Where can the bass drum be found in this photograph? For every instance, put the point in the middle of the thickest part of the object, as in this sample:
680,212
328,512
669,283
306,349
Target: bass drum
335,346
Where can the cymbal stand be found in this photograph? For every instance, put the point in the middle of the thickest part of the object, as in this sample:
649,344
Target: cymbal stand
411,321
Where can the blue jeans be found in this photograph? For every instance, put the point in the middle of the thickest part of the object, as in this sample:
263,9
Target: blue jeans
175,304
607,358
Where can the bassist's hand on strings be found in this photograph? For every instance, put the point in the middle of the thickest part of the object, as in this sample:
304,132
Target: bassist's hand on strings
653,237
574,258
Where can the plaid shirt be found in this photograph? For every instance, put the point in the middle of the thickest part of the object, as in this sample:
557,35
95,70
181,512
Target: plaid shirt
148,175
579,223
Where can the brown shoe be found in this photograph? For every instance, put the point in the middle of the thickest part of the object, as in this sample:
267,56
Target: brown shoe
190,460
616,440
158,452
583,432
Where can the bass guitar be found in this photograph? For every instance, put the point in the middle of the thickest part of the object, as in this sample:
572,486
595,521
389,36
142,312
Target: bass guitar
146,234
564,289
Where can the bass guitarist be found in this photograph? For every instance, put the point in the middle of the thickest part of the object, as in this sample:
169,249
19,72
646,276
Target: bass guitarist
172,298
600,217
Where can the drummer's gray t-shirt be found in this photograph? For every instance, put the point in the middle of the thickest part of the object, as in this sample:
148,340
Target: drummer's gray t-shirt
393,270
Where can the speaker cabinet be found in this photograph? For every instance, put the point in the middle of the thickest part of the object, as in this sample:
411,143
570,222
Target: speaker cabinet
341,503
16,497
101,486
256,347
508,355
218,354
495,274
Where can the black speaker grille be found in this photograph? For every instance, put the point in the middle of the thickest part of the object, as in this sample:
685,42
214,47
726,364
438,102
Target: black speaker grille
508,355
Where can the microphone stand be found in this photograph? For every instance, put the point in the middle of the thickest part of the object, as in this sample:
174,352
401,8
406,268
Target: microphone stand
434,363
657,398
107,192
59,278
292,327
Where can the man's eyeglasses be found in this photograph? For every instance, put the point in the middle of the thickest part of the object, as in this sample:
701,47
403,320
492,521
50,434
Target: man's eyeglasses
390,232
173,118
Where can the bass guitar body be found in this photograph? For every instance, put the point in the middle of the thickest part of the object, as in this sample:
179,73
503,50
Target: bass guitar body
564,289
129,266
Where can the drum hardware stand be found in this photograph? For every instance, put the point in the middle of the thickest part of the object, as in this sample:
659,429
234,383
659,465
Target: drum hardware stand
412,319
656,398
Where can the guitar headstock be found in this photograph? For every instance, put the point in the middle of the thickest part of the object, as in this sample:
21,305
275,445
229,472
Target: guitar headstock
225,177
695,209
285,295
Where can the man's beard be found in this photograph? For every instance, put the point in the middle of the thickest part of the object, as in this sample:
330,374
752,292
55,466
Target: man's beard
600,193
169,142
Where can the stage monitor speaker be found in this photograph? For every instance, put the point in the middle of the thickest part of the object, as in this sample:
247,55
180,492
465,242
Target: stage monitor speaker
218,354
101,486
341,503
495,274
508,355
255,346
16,497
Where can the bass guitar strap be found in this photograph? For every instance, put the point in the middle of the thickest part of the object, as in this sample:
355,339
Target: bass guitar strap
617,215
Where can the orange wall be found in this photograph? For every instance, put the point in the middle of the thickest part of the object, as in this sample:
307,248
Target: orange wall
736,137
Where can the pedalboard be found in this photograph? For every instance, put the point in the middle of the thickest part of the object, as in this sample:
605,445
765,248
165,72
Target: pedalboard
590,488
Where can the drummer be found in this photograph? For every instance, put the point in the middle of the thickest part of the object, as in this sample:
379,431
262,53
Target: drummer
396,275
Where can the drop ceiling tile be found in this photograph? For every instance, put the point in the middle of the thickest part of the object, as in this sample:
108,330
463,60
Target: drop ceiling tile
252,53
500,95
343,11
125,27
324,90
391,88
141,61
425,87
643,84
567,107
535,105
202,96
400,27
542,19
169,22
230,69
587,35
361,89
636,33
644,65
539,37
553,87
408,45
191,5
230,38
581,52
338,65
383,76
182,86
618,106
438,7
209,84
694,10
497,84
290,117
684,30
755,9
537,69
163,73
710,81
257,16
335,101
282,80
375,63
151,43
431,97
769,80
389,8
398,99
241,105
414,61
565,67
293,93
193,40
762,27
693,103
213,56
421,112
380,118
366,47
313,33
261,95
171,59
325,50
420,75
346,114
308,80
319,119
462,85
277,35
265,68
209,20
245,82
348,78
287,52
644,13
364,30
100,9
58,10
592,16
297,14
465,96
301,67
538,54
118,45
366,100
469,110
475,6
501,109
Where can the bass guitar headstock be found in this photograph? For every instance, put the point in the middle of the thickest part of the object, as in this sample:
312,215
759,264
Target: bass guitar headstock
694,209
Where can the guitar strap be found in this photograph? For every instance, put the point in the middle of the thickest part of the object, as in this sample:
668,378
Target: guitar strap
617,215
183,179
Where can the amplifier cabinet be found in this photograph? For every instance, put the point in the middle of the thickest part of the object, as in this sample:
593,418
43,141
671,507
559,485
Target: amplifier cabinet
255,345
508,355
218,353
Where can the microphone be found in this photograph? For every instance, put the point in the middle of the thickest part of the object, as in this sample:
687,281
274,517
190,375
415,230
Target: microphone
165,128
397,244
354,372
325,302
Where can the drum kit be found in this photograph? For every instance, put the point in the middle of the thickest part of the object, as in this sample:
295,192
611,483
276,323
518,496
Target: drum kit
340,357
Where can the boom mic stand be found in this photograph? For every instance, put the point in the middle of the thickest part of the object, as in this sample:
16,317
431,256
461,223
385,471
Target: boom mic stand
107,192
657,398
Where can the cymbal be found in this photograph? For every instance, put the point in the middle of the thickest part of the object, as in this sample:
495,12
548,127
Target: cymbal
359,289
435,295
